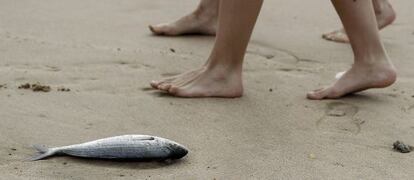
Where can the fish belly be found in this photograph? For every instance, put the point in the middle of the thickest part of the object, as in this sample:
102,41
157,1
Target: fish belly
144,151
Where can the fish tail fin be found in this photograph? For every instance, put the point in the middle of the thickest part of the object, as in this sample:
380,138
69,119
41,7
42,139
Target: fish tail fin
44,152
41,148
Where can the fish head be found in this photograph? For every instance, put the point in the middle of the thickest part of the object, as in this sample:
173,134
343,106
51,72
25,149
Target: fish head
177,150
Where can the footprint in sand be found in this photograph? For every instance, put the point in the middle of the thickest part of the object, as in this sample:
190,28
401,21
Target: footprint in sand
408,109
52,68
169,74
268,52
284,60
340,117
136,65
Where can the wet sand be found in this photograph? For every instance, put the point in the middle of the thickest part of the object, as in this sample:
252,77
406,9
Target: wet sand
103,52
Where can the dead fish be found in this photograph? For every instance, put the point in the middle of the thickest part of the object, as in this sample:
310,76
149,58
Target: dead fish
134,147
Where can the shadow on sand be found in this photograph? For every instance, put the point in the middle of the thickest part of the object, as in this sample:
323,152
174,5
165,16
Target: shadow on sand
126,164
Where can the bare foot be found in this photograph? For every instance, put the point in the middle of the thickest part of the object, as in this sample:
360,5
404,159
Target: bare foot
203,82
357,79
337,36
195,23
384,13
166,82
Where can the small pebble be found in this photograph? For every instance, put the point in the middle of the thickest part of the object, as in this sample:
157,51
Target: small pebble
339,164
63,89
312,156
402,148
172,50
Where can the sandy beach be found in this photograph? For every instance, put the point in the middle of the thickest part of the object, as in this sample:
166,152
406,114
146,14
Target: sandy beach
104,53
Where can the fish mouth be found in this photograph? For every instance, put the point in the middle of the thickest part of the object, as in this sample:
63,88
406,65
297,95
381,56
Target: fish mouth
178,151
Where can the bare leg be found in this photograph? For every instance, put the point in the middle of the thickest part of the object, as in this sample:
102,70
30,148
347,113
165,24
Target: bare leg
222,75
202,21
384,14
372,67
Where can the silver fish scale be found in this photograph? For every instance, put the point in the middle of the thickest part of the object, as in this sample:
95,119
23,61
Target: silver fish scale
128,146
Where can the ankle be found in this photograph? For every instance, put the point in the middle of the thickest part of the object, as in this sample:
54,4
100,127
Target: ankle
206,12
370,61
371,57
225,61
223,72
375,65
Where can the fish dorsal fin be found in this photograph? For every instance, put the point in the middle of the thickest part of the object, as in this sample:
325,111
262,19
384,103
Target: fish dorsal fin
143,138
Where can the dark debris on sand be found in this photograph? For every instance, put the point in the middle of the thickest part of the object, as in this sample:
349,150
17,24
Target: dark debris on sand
37,87
172,50
63,89
402,148
25,86
3,86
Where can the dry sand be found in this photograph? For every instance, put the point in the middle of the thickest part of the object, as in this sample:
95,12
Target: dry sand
103,52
